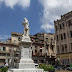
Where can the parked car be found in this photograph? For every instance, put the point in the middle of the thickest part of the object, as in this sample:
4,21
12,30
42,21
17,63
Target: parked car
69,68
59,67
36,65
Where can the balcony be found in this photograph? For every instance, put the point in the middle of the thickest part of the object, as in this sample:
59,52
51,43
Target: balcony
4,57
48,54
4,51
16,53
38,42
53,54
16,57
37,54
47,43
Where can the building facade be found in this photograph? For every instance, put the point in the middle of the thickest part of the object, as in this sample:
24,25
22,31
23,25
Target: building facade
7,51
43,46
63,35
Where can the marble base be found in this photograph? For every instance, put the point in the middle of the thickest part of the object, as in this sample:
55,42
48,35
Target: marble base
26,63
26,70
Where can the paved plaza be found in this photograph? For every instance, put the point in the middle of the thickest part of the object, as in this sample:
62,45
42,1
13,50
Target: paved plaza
62,71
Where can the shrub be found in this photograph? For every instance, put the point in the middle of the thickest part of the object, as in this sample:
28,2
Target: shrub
46,67
0,70
3,69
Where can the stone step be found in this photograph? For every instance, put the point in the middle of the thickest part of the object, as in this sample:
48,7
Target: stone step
27,70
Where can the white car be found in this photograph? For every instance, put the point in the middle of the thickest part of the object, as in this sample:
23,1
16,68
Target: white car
36,65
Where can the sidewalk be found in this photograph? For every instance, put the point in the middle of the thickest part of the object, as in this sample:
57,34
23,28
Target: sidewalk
62,71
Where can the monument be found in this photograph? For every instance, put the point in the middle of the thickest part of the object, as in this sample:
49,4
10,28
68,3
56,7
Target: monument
26,63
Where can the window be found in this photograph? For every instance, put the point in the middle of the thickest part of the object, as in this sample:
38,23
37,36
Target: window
56,28
36,40
64,35
63,24
60,26
58,49
19,39
40,50
69,22
65,47
71,46
70,35
35,50
46,39
14,41
51,40
10,50
47,47
62,61
57,37
1,48
4,48
52,47
42,61
8,54
35,46
68,61
62,48
61,37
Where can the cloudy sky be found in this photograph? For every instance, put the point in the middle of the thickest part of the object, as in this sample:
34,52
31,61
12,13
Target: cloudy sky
40,13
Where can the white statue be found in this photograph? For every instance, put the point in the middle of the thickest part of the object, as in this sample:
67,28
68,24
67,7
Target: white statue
26,28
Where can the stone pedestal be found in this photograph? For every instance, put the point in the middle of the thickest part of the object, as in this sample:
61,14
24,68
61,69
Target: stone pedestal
26,70
26,63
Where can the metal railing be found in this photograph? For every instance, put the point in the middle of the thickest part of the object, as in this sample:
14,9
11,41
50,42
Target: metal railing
5,57
4,51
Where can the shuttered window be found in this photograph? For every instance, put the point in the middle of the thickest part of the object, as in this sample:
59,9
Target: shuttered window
1,48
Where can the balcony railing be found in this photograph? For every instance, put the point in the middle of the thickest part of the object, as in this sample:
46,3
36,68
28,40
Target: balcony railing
4,51
4,57
37,54
53,42
53,54
48,54
47,43
16,57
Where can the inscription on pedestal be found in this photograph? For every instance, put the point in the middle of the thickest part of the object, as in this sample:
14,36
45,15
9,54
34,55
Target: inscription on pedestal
26,39
26,45
26,53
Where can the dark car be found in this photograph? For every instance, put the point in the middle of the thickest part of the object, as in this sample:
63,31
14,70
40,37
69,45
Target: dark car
69,68
59,67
